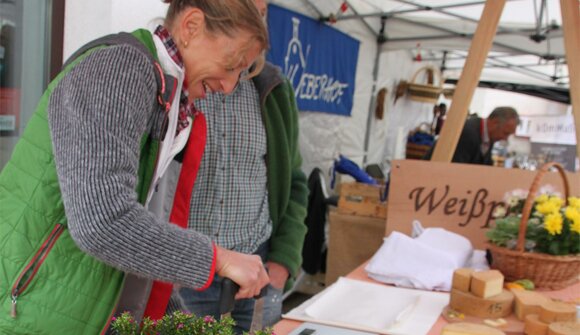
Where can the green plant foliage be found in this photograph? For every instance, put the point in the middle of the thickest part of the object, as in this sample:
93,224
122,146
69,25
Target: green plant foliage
553,227
177,323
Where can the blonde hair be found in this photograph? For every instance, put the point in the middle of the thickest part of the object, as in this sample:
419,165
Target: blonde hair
228,17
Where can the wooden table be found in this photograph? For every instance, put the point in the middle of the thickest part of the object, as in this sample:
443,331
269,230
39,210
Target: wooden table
571,293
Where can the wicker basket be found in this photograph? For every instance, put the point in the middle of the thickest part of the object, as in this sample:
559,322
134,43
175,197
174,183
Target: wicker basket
448,92
546,271
425,92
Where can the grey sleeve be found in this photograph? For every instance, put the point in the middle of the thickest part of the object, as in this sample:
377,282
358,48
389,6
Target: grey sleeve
97,116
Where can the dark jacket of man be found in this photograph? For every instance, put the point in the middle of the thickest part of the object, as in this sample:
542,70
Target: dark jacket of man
468,148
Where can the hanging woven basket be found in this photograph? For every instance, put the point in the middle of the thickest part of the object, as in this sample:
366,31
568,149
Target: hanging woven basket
428,92
546,271
448,92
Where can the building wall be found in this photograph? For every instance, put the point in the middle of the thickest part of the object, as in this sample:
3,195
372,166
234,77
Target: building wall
87,20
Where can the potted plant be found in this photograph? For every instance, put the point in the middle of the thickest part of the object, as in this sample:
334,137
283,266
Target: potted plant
177,323
553,226
537,235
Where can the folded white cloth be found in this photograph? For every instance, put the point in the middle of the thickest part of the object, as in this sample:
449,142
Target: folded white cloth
457,248
426,262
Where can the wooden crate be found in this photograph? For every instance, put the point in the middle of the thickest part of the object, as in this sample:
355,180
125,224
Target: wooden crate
362,199
416,151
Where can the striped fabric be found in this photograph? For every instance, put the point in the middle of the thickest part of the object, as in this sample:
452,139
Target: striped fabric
96,130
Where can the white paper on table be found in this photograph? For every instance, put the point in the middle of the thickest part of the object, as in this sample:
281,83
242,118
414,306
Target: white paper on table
373,307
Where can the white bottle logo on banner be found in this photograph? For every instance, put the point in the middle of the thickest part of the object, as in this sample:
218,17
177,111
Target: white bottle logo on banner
308,86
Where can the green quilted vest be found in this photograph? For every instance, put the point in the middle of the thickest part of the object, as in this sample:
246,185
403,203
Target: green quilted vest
47,284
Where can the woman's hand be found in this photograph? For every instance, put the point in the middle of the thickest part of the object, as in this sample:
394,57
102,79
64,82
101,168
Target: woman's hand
245,270
278,275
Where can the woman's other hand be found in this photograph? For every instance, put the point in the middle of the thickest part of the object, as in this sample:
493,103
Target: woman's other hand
278,275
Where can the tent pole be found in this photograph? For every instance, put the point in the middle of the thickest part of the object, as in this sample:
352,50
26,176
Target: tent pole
571,23
539,17
407,11
311,6
372,103
478,50
519,68
466,36
363,20
381,39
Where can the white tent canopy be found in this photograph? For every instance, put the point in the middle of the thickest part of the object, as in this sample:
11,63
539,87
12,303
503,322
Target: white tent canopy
529,39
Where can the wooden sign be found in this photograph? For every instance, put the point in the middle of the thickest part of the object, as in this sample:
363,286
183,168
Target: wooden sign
458,197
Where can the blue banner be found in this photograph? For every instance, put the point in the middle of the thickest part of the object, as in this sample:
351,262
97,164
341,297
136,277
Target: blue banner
320,61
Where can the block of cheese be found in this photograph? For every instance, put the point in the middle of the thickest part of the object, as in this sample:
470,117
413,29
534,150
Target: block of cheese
466,328
533,325
498,306
552,311
564,328
485,284
528,302
462,279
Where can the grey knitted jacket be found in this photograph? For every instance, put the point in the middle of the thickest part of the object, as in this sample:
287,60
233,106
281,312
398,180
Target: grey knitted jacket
98,114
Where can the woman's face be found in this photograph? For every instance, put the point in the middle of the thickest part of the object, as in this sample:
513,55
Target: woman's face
213,61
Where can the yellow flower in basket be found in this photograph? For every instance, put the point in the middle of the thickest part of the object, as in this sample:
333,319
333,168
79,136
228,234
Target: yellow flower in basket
553,223
572,213
548,205
553,227
542,198
574,202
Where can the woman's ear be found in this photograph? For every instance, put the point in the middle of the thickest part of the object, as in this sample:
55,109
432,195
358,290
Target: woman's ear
192,23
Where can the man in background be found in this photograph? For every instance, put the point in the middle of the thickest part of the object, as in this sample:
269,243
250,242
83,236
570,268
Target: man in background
479,135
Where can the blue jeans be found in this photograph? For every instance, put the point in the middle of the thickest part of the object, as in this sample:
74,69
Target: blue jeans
202,303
